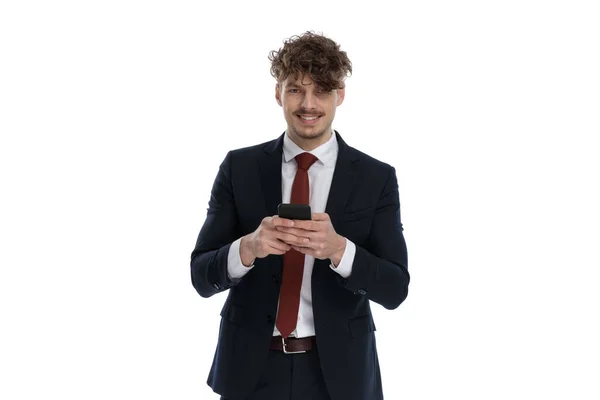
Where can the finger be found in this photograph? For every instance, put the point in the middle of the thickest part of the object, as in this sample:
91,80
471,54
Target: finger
307,225
316,253
320,217
277,251
279,247
303,250
291,239
295,231
278,221
310,245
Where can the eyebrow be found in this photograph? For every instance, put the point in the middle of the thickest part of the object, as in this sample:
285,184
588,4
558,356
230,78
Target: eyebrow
297,86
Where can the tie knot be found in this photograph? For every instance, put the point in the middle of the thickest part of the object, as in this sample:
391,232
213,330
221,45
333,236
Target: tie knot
305,160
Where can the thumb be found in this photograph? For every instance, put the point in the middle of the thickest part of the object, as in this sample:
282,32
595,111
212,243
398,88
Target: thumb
320,217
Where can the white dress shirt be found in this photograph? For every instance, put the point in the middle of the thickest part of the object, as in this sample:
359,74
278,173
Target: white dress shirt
320,175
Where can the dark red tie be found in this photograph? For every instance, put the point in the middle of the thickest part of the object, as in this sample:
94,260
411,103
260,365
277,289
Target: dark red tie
293,261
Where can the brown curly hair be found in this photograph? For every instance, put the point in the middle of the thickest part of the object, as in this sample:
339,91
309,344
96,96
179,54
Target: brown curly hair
313,55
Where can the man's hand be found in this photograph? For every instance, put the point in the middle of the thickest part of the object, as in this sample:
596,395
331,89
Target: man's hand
268,239
320,238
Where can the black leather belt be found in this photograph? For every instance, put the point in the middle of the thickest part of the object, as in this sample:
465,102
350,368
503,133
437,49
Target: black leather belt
293,345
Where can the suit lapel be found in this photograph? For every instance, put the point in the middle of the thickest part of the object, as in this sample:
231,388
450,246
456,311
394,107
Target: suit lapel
343,181
270,175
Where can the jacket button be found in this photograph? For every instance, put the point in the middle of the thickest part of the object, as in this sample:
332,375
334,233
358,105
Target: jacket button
275,279
362,292
269,318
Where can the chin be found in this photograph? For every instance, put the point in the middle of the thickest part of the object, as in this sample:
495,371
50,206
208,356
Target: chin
312,133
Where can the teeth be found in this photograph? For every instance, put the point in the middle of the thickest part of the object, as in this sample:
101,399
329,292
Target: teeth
308,118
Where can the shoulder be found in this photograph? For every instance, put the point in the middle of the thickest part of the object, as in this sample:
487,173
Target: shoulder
369,164
255,150
362,160
243,155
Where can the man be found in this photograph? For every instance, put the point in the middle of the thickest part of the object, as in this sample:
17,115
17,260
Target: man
297,322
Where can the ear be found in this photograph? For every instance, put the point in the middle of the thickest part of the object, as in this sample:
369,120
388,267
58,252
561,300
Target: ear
341,93
278,94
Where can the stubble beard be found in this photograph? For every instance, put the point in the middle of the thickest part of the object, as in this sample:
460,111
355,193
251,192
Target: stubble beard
311,136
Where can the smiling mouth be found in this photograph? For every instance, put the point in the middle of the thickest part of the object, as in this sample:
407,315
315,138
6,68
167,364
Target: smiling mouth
308,119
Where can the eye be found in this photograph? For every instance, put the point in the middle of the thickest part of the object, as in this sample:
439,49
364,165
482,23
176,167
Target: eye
293,91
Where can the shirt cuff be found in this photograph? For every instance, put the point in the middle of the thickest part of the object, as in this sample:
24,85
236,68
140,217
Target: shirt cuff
235,268
344,269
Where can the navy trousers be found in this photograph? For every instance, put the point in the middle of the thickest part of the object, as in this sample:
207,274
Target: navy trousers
291,377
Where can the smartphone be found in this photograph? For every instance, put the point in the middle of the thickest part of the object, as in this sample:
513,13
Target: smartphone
294,211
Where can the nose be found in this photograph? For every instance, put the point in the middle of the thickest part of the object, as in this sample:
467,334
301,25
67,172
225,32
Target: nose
308,100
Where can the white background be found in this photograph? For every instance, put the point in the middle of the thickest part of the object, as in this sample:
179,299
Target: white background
114,118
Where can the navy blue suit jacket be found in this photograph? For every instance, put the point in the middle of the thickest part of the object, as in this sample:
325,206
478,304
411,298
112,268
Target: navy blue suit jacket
363,205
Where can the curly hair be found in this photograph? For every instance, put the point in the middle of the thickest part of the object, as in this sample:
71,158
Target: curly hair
313,55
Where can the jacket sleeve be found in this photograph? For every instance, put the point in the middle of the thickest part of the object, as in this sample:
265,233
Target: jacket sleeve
380,268
220,229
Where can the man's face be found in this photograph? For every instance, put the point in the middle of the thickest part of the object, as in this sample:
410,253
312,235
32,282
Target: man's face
308,109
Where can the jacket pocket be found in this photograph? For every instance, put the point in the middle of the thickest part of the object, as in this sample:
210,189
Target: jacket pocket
356,225
361,325
351,216
232,313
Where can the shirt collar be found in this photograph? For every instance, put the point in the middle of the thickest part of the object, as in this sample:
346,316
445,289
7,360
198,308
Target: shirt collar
326,153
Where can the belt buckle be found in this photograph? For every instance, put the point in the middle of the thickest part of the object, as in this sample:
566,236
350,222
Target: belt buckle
289,352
